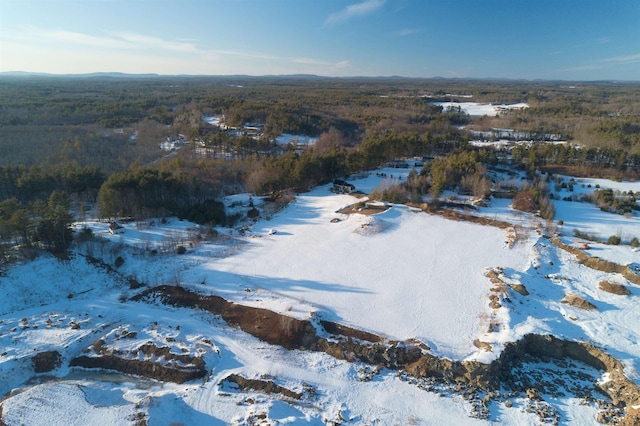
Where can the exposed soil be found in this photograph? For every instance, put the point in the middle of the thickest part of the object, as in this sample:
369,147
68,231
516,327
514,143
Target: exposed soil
266,386
456,215
145,368
614,288
578,302
597,263
365,208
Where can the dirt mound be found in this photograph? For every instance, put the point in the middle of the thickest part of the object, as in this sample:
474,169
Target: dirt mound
365,208
578,302
264,324
144,368
266,386
599,264
614,288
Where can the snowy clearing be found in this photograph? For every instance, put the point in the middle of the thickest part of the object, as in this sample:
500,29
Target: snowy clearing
402,274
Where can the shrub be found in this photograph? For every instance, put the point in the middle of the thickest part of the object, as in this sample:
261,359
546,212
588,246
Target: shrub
585,236
635,242
614,240
524,201
85,234
561,222
253,213
118,262
181,250
46,361
208,212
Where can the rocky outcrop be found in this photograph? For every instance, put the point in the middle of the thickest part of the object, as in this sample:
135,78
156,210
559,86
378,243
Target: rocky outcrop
408,357
619,388
144,368
599,264
266,386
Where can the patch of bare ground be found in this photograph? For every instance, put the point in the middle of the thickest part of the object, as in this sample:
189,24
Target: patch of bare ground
632,417
597,263
143,361
480,220
276,201
578,302
266,386
485,346
144,368
365,208
343,330
499,291
613,288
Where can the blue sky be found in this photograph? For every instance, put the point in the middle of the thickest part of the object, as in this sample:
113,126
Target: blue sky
530,39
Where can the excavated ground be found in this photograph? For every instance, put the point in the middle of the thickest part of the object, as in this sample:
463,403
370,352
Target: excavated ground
479,383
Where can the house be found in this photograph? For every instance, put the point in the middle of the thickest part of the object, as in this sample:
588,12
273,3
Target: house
342,187
115,228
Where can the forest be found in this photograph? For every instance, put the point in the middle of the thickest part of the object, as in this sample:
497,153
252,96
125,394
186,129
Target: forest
74,146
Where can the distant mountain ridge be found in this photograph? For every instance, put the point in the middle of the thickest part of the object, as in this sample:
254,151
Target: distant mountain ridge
27,74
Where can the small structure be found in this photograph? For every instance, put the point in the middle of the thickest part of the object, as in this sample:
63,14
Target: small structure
343,187
115,228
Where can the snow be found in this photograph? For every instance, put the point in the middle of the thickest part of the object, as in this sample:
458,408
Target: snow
214,120
401,274
476,109
287,138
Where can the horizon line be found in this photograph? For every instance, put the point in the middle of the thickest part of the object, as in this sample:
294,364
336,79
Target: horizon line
18,73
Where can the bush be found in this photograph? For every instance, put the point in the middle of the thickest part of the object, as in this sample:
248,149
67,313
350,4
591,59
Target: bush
181,250
210,212
585,236
118,262
635,242
614,240
561,222
85,234
524,201
46,361
253,213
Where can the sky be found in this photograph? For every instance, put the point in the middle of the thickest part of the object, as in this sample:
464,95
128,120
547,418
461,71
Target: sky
521,39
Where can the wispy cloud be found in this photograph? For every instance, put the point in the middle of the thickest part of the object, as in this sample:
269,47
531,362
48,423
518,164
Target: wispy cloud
147,42
627,59
78,47
129,41
365,7
312,61
30,33
604,40
407,32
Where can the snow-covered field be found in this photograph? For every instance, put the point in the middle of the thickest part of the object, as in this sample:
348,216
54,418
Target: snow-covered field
402,274
287,138
476,109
